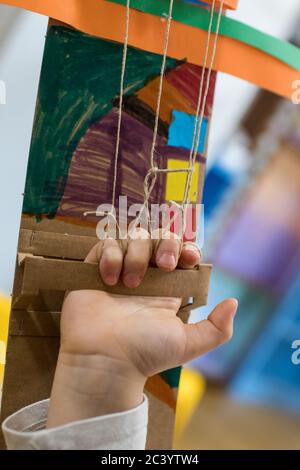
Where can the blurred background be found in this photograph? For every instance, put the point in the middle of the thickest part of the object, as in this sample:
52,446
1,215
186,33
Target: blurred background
245,395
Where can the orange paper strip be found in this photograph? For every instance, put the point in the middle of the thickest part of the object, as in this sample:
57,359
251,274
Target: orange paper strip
107,20
230,4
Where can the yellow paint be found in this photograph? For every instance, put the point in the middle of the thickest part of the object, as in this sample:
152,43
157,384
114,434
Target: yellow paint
176,181
191,390
4,317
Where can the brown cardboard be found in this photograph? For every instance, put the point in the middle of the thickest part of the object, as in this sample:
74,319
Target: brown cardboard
65,246
28,378
48,264
64,275
34,323
41,271
33,344
57,226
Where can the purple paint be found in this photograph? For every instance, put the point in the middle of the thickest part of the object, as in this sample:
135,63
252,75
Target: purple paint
90,179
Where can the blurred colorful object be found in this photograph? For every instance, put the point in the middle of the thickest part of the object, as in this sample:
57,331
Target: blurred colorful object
4,316
191,390
255,307
263,236
269,375
217,183
255,247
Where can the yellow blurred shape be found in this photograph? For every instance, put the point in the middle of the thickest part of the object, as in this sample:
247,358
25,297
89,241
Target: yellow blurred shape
176,181
191,390
4,317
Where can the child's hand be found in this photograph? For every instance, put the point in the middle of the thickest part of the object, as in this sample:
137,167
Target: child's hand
112,344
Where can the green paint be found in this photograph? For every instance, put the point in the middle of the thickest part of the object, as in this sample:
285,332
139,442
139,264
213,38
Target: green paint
199,18
172,377
79,80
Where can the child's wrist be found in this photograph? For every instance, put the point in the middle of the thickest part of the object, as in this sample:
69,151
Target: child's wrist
89,386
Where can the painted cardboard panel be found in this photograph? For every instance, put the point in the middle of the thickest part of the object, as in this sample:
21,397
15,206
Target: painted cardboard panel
70,169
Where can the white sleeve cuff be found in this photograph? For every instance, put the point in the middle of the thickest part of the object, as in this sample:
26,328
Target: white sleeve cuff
25,430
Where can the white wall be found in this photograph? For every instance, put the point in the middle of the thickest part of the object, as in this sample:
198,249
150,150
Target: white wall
20,63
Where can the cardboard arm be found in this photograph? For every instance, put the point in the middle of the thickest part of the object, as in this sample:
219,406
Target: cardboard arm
54,262
40,274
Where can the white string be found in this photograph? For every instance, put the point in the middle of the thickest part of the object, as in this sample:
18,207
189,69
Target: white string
200,94
198,122
110,213
124,60
160,90
153,171
199,119
152,174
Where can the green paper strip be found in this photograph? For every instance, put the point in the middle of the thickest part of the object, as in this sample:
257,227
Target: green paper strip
199,18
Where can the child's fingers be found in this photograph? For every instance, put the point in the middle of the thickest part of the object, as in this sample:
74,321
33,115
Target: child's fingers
190,256
168,252
134,256
95,254
211,333
111,262
109,255
136,261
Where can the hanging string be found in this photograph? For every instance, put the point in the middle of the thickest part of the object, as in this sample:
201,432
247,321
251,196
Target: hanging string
151,177
202,97
200,116
152,174
111,214
123,70
154,171
161,81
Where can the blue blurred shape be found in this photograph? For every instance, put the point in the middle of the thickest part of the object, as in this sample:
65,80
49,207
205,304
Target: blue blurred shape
216,184
255,307
268,376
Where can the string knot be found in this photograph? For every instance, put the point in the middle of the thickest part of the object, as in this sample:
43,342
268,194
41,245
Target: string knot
154,170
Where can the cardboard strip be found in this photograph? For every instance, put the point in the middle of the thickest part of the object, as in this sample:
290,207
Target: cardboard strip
62,225
107,20
199,18
34,323
31,363
36,245
62,275
46,301
56,245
